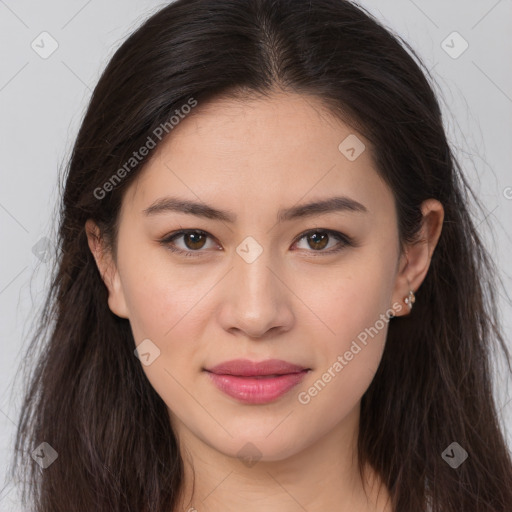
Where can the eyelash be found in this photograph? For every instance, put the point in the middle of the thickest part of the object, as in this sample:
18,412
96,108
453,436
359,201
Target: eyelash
345,240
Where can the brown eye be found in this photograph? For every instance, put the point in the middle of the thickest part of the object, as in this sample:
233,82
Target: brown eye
318,240
188,242
194,240
325,241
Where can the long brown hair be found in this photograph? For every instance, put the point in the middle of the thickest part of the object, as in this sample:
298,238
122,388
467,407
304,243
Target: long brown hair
88,396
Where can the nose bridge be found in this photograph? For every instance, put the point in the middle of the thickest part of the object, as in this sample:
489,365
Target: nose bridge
254,279
257,299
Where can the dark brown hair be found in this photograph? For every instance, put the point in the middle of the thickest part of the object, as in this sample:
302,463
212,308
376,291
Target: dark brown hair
88,395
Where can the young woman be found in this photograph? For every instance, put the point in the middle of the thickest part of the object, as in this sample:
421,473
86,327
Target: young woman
270,293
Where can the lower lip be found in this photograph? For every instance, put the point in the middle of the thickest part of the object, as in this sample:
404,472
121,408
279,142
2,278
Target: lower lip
252,390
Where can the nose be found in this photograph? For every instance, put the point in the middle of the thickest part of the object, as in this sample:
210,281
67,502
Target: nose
257,302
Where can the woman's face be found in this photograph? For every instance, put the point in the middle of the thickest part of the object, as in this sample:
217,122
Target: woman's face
260,283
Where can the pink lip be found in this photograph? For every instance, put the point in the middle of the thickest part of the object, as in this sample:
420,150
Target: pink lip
256,382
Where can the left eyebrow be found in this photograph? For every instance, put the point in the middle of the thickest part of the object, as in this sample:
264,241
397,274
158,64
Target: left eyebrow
332,204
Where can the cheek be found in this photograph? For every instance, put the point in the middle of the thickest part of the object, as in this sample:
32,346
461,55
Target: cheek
354,306
349,298
167,305
161,296
347,368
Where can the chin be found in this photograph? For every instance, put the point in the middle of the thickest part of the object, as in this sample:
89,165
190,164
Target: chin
259,446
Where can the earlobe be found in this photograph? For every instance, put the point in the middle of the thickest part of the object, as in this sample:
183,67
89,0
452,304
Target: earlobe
415,261
107,269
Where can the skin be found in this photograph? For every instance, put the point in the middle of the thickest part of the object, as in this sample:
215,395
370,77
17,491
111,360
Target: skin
252,158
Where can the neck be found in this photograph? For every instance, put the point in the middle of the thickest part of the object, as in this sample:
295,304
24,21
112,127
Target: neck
323,476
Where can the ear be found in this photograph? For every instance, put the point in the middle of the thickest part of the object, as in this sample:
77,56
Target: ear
107,268
415,260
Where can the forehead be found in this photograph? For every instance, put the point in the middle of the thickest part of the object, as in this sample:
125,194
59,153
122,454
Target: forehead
226,121
259,151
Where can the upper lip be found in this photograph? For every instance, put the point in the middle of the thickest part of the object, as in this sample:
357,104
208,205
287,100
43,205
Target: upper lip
247,368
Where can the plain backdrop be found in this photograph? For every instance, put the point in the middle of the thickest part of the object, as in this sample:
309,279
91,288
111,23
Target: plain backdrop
465,43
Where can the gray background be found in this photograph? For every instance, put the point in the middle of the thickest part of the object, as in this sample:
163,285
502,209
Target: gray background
42,101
